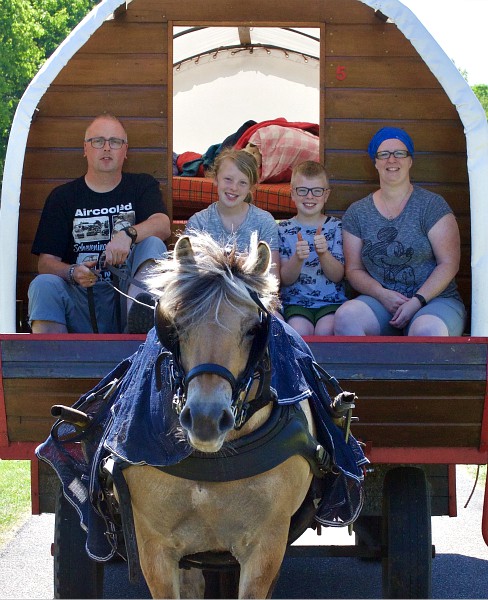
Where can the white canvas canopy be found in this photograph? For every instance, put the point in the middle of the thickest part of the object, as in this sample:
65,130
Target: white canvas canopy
290,55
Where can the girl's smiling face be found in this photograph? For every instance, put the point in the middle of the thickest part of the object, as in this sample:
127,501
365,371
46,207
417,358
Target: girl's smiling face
233,186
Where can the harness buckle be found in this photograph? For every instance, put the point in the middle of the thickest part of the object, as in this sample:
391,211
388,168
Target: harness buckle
240,413
239,405
323,459
178,400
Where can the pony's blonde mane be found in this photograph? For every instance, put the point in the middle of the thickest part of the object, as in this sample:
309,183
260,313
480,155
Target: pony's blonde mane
192,293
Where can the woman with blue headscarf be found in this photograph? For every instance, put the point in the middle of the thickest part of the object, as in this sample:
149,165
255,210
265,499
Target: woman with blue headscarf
402,252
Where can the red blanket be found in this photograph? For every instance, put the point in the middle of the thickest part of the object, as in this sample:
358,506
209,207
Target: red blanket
282,148
244,139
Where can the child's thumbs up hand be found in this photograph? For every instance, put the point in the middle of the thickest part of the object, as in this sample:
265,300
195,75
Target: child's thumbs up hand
320,242
302,249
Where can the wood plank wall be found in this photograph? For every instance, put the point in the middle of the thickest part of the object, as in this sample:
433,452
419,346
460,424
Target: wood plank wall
122,69
371,76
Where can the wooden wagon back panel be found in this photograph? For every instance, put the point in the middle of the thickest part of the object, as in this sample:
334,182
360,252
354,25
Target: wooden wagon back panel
370,76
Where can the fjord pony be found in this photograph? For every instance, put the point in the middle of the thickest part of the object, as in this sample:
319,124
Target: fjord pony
213,314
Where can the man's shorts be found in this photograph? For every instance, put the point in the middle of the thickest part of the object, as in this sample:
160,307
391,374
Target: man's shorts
51,298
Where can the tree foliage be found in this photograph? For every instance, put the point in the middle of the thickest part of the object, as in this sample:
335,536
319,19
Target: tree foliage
30,31
481,91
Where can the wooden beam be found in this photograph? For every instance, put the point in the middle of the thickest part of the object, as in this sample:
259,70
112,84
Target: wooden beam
121,10
244,35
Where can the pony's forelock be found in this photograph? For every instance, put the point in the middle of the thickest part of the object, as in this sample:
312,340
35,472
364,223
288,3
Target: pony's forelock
193,292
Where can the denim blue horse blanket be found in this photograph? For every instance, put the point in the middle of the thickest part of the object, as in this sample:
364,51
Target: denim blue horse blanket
134,421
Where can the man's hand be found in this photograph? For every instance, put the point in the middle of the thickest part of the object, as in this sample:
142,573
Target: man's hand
85,275
117,250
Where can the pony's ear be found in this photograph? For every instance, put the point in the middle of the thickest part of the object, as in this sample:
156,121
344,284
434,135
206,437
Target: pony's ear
183,250
165,329
263,259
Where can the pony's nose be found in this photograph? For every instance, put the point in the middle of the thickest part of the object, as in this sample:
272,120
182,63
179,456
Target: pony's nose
207,424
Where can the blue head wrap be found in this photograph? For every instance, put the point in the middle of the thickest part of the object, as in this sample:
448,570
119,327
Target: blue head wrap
389,133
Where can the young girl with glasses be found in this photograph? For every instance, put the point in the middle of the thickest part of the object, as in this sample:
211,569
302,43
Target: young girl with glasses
311,257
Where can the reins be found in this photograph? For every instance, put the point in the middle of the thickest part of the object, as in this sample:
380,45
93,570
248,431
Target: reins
119,275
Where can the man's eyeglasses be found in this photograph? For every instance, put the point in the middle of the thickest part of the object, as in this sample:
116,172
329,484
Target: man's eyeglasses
316,191
385,154
113,142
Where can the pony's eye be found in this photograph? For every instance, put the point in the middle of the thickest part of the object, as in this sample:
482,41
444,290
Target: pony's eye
253,331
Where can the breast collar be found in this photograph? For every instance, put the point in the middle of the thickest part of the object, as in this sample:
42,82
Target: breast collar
283,435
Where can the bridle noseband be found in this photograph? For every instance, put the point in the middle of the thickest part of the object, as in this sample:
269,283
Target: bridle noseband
258,367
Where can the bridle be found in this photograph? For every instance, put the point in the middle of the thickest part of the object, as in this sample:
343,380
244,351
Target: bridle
258,367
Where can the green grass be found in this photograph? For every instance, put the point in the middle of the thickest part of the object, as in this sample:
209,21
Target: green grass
482,474
15,497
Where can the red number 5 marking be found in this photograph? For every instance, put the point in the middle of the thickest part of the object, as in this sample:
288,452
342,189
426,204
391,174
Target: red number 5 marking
341,73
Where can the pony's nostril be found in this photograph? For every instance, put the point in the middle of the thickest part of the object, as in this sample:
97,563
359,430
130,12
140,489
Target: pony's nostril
226,421
185,418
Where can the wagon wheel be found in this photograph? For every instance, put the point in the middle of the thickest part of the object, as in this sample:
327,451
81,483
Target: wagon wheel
407,538
76,575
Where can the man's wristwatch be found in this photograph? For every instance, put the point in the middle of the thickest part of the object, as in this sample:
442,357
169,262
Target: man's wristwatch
131,232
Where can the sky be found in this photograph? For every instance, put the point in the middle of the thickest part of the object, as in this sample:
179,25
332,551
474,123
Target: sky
459,27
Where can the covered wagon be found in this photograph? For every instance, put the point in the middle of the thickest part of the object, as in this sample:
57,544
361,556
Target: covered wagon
346,66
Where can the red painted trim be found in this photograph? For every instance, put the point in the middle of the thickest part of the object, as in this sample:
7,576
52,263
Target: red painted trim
3,409
484,517
35,506
19,451
452,502
70,337
394,339
484,418
310,339
429,455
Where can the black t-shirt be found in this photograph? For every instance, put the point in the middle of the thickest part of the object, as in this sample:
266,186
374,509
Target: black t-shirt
77,223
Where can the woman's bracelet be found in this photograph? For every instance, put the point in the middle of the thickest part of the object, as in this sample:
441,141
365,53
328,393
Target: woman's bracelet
421,299
71,278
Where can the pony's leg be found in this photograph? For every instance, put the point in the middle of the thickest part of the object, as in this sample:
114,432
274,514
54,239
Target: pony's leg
162,574
261,570
192,583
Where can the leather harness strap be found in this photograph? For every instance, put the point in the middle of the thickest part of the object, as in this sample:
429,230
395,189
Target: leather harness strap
114,469
91,308
283,435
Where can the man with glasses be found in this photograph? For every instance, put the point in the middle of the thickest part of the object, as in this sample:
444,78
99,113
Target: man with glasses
102,223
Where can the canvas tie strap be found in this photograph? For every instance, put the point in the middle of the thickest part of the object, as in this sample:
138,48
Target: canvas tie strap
91,308
114,470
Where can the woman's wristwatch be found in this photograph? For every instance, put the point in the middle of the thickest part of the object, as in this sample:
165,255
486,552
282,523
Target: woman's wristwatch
421,299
